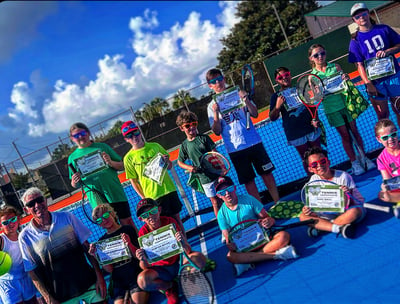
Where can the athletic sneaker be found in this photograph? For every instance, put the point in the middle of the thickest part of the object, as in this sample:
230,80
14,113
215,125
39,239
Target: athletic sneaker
172,293
286,253
370,164
312,232
396,210
357,168
223,238
348,231
240,268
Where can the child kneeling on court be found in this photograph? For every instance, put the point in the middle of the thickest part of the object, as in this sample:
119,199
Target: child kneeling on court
160,275
239,208
124,273
193,147
318,163
389,161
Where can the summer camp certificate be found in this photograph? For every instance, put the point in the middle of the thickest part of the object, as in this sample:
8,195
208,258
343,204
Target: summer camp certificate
334,84
112,250
250,237
156,168
91,163
229,100
325,198
379,67
160,244
292,100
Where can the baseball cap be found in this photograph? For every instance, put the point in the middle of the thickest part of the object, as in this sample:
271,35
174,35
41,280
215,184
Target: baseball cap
128,127
358,7
144,204
223,182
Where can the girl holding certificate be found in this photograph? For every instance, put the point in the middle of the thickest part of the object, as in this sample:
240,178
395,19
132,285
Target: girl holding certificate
371,44
301,132
335,108
125,268
104,176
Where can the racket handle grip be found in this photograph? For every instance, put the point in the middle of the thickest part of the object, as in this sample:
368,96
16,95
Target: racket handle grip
247,119
71,166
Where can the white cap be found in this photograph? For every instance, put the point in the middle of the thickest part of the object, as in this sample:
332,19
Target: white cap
358,6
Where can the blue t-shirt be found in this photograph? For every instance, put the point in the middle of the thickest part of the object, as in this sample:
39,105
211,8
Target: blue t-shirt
248,208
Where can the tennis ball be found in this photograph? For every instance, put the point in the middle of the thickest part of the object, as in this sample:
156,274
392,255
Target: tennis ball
5,262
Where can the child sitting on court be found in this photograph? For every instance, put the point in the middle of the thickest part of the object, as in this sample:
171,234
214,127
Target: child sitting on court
160,275
192,148
389,160
124,273
318,163
15,286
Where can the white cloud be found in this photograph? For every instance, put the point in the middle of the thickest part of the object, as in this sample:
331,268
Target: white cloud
165,62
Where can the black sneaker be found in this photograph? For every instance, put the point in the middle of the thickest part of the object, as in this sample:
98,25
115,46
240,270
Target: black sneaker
348,231
312,232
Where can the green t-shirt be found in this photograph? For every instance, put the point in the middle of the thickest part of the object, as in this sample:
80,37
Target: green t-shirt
193,150
335,102
105,181
135,162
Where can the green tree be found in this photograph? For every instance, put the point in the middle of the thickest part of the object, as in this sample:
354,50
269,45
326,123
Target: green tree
20,180
181,98
61,151
259,34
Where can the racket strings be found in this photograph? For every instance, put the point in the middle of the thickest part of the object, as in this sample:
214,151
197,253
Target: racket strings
195,286
310,89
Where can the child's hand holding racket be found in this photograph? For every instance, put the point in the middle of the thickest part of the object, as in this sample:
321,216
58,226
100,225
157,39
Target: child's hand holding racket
267,222
92,250
315,123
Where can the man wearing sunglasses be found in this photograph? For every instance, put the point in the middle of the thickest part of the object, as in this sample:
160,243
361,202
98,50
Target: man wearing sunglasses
54,250
135,162
341,223
238,208
160,275
243,145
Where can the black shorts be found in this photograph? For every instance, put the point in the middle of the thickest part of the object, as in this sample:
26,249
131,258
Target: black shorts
119,291
245,159
122,209
170,204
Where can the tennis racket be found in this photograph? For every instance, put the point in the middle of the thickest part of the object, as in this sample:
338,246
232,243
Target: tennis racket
358,202
90,197
395,104
194,284
248,86
214,163
310,89
256,235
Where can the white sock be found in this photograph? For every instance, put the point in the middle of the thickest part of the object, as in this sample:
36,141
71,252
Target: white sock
335,228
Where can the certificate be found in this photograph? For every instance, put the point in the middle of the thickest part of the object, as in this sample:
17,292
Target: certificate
392,183
250,237
379,67
160,244
156,168
325,198
292,99
112,250
229,100
334,84
91,163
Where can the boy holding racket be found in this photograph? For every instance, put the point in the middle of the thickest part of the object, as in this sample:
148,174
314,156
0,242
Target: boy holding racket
243,145
192,148
318,163
238,208
135,162
160,275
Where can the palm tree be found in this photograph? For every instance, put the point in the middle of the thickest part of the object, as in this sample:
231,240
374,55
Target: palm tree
182,98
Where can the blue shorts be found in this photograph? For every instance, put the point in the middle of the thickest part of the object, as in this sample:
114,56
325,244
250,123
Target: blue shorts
167,273
390,86
16,290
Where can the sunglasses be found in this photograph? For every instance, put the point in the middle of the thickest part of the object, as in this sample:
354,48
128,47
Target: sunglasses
321,162
364,14
105,215
190,125
316,55
79,134
281,76
32,203
225,190
147,214
391,135
134,133
214,81
10,220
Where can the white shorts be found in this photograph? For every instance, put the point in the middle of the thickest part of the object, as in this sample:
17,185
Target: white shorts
310,137
209,189
17,290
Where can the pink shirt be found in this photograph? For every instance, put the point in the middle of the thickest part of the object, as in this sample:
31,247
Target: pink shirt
389,163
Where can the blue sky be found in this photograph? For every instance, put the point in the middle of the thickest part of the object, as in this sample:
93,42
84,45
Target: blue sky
62,62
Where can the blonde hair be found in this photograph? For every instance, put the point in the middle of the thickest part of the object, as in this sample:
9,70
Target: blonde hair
311,48
8,210
101,209
383,123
